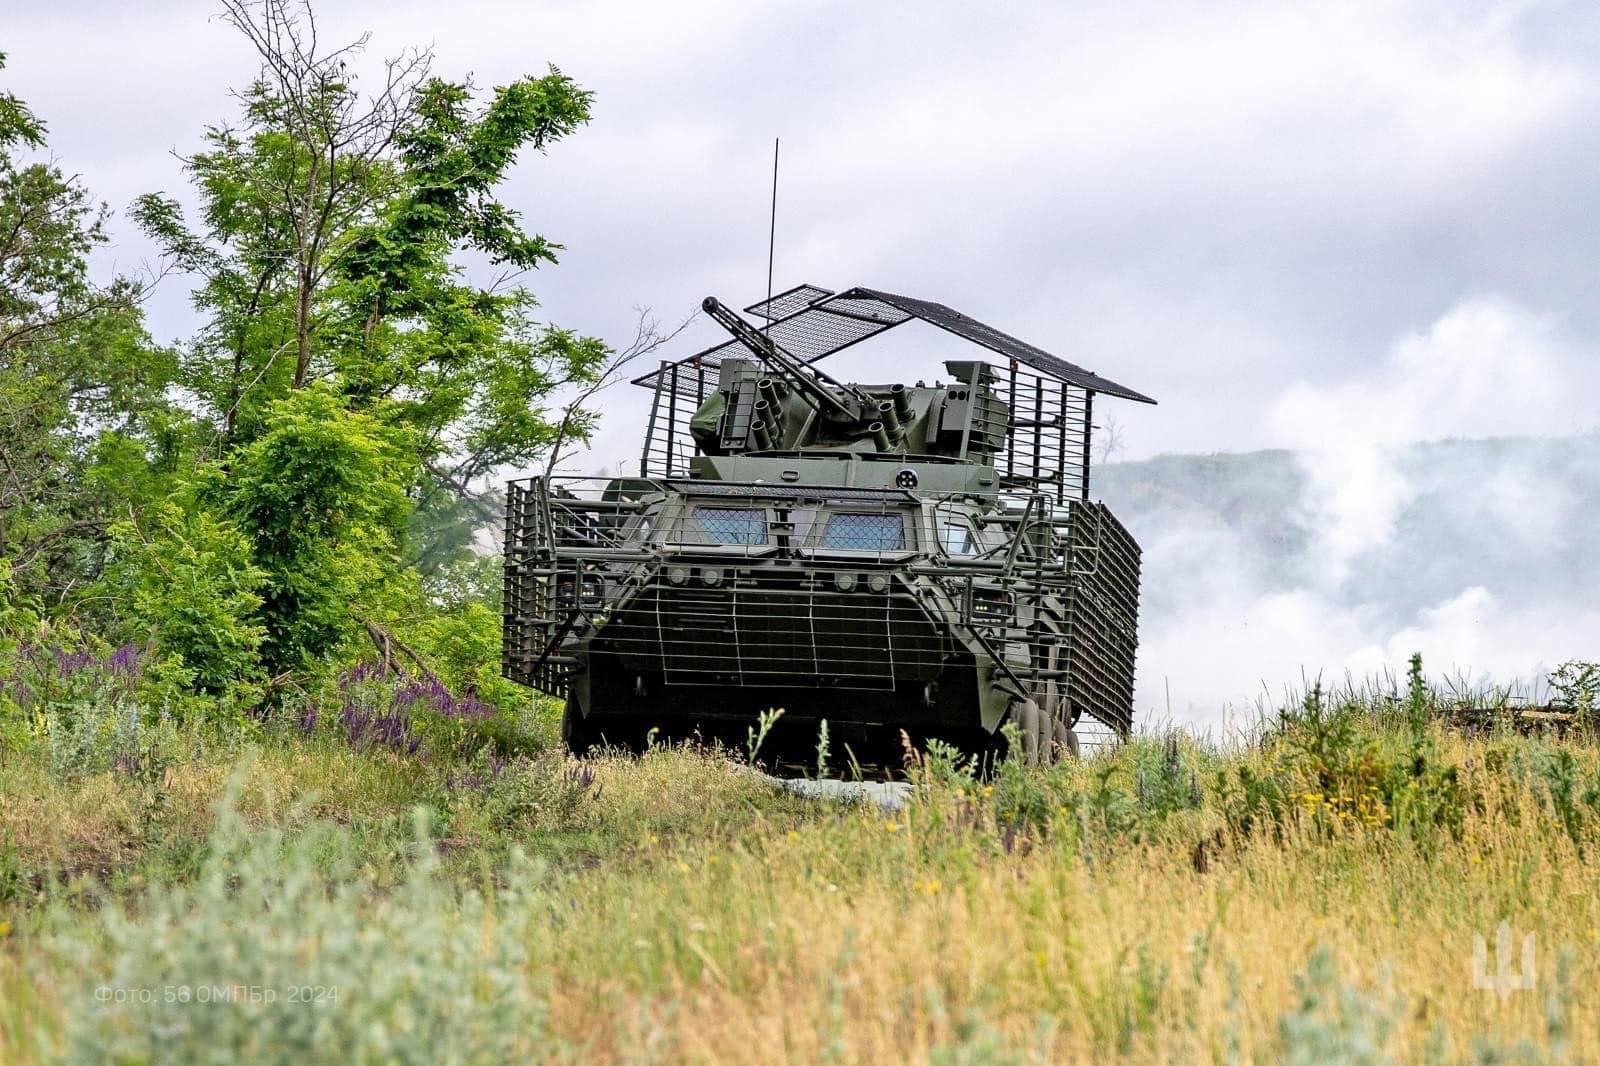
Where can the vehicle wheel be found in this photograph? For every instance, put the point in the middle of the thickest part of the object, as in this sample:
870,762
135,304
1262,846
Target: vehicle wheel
1053,746
577,733
1066,741
1028,719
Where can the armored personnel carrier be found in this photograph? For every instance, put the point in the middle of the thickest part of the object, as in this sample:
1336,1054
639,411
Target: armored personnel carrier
918,557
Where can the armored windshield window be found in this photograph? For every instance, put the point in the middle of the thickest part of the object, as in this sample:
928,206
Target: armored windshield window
864,532
732,525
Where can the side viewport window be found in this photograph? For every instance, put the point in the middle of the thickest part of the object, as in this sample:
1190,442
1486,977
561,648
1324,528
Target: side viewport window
958,540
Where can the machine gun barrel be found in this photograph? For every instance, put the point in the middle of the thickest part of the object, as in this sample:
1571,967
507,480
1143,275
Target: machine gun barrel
820,389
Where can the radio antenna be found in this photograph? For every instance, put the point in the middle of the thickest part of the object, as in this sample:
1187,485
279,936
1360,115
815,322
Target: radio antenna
772,233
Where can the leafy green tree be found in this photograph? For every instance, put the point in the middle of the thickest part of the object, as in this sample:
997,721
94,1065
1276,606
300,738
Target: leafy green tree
328,245
357,386
316,458
321,496
188,579
76,371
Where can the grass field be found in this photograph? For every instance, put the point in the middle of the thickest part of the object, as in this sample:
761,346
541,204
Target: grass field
301,897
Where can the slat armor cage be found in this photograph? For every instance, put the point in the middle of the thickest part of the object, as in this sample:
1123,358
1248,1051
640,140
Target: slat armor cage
710,584
823,624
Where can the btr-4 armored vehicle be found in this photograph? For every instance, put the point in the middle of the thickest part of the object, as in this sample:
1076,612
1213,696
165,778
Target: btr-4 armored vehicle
889,558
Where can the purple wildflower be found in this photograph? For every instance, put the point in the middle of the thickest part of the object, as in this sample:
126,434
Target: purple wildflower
473,707
360,674
581,778
477,780
72,662
355,720
364,727
467,781
1008,838
125,661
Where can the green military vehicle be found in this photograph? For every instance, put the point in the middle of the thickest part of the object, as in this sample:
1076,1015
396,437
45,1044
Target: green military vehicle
890,558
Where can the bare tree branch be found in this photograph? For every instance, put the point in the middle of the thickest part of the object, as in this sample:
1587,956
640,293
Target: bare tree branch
648,337
337,139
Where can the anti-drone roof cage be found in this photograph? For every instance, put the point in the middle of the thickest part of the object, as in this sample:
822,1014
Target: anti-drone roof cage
1051,401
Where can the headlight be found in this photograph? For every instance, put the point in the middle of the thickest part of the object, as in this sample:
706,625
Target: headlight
992,606
575,591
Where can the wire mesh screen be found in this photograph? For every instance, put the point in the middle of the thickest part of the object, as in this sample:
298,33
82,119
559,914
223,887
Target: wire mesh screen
814,332
1102,616
1048,445
795,629
810,323
789,302
680,388
854,531
722,584
1040,428
526,604
731,525
981,333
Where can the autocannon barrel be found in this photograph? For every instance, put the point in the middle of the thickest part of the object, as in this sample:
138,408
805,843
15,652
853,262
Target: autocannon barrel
821,390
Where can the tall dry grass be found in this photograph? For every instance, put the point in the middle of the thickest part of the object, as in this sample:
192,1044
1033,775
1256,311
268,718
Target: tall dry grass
1310,898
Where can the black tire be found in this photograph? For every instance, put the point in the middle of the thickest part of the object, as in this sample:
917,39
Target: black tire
577,732
1032,727
1065,741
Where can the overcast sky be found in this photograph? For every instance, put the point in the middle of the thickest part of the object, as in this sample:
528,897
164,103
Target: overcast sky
1335,227
1215,203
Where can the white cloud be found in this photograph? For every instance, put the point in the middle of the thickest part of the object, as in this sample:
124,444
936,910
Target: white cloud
1486,368
1175,194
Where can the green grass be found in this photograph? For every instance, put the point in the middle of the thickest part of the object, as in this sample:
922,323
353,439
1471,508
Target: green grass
1311,899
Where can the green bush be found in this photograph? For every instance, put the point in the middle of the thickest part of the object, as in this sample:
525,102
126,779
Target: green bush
1337,765
1337,1024
189,583
321,497
263,960
1576,686
16,614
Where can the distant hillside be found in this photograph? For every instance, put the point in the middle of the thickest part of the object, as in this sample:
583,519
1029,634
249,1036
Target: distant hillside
1323,561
